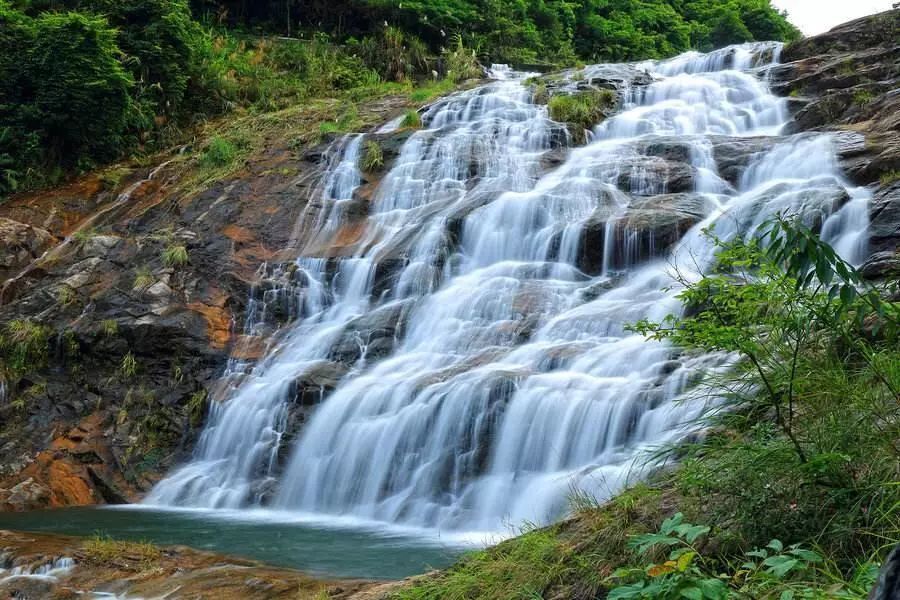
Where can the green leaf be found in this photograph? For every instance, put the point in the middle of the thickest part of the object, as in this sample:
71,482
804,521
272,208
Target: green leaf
692,593
780,566
775,545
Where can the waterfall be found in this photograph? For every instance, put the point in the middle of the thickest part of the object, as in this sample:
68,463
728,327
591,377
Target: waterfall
498,291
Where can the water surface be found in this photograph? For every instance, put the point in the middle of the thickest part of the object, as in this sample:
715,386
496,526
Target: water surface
350,551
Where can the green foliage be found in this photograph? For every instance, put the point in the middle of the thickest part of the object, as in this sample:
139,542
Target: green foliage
128,367
462,63
810,409
218,153
143,278
373,158
581,111
196,407
411,120
770,572
175,255
109,327
64,95
889,177
24,347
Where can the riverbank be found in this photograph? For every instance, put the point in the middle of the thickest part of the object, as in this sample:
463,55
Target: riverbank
52,566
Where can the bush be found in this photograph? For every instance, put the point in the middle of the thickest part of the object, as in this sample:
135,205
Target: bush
806,440
218,153
373,158
411,120
68,95
581,111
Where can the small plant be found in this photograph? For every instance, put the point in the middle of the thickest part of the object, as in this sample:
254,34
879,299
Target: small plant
196,407
581,111
83,236
25,346
218,153
863,97
103,550
143,279
889,177
109,327
65,295
770,572
411,120
373,158
128,368
175,255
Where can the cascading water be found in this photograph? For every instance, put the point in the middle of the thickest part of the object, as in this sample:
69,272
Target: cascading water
512,378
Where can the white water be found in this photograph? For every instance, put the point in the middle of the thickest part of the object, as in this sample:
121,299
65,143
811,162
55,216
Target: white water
513,380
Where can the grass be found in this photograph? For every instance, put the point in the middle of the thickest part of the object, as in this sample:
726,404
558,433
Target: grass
220,152
373,157
175,255
109,327
143,278
889,177
128,366
581,111
196,407
104,551
863,97
411,120
569,560
24,346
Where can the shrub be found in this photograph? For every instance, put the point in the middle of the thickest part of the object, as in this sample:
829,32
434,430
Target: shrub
805,447
218,153
67,93
581,111
373,158
411,120
24,346
461,62
175,255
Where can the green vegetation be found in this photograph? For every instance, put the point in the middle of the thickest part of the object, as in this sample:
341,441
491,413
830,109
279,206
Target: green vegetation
85,82
581,111
219,153
128,367
109,327
24,347
196,407
411,120
373,157
889,177
143,278
796,481
105,551
175,255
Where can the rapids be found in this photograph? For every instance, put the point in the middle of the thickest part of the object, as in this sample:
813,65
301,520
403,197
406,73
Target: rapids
511,379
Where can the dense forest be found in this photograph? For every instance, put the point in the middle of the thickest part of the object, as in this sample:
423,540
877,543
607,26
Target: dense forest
83,82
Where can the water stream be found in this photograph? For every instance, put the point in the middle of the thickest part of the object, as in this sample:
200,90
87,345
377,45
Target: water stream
506,378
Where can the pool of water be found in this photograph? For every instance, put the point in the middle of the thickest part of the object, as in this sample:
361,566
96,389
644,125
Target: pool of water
336,549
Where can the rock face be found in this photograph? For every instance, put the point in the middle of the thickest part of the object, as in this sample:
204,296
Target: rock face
848,81
136,294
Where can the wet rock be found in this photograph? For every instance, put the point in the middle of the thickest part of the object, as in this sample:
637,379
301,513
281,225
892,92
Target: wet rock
884,226
881,265
373,335
20,244
646,229
27,495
